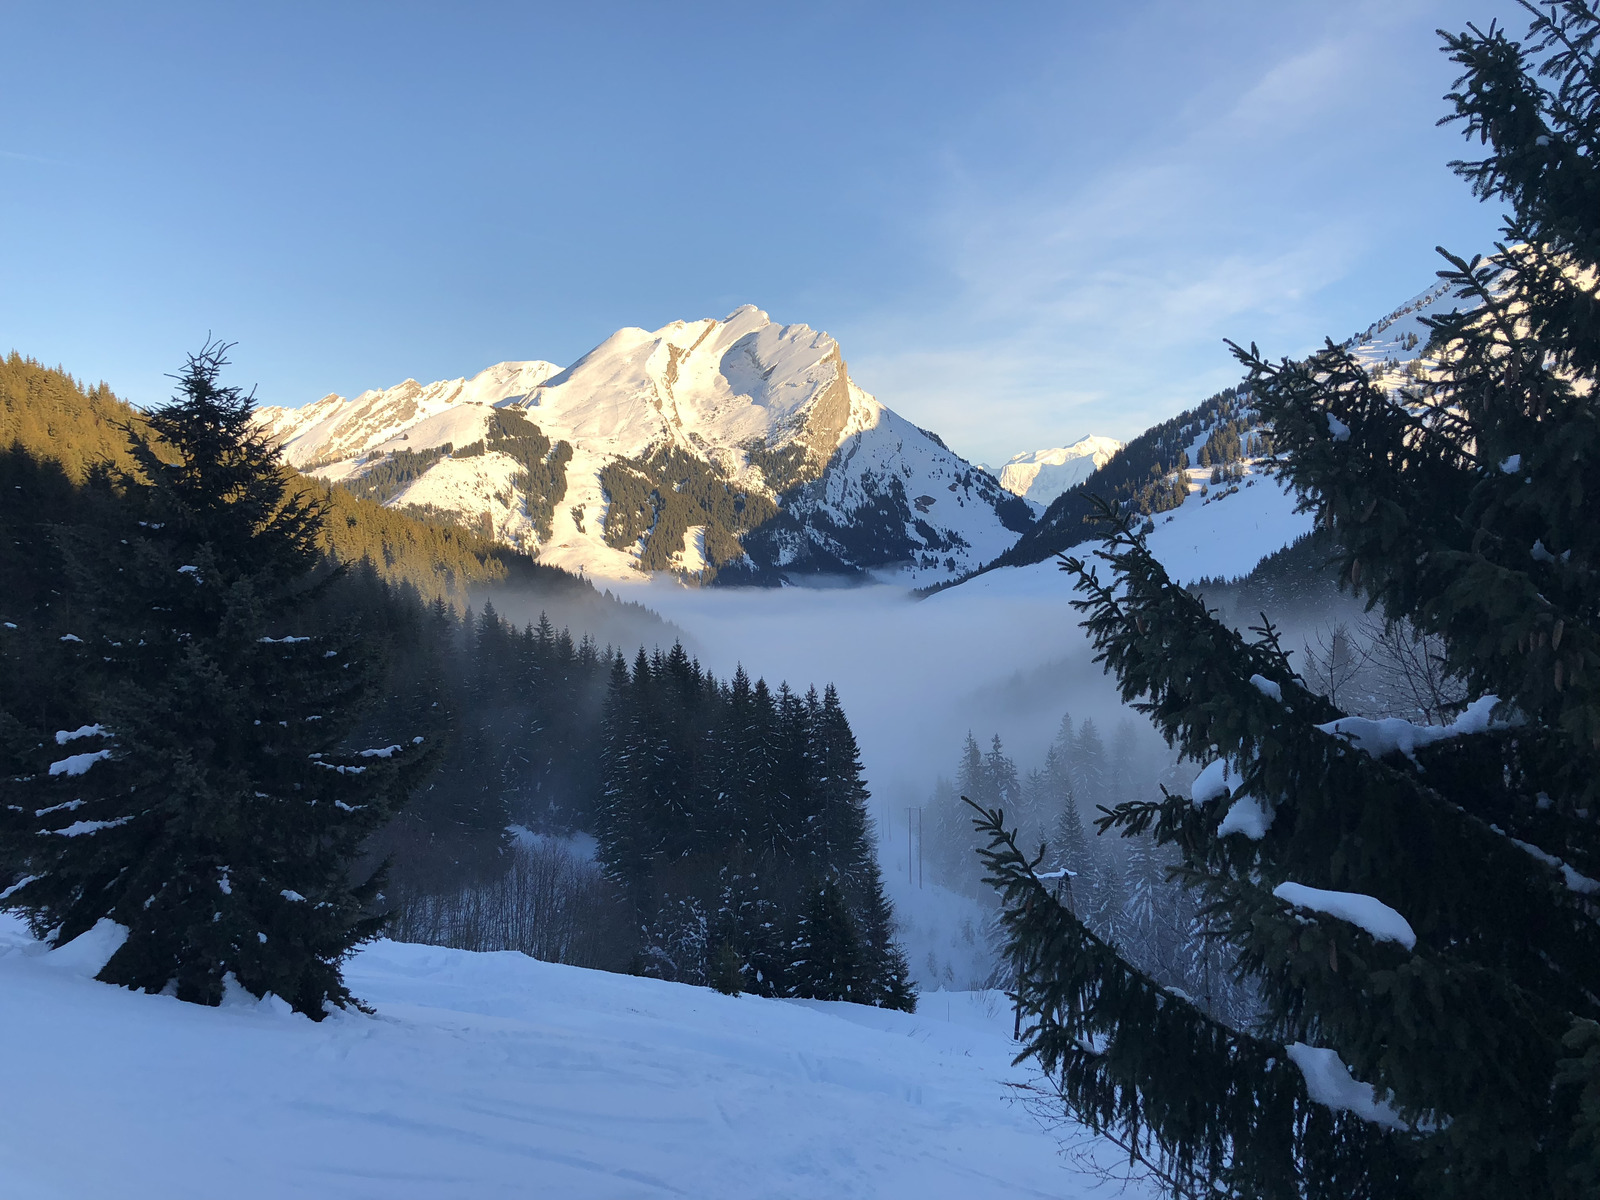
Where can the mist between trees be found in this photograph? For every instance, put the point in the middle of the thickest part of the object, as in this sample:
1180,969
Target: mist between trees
1121,887
1125,887
733,844
1368,665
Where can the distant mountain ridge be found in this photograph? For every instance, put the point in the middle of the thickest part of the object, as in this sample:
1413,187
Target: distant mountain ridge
1042,475
737,450
1161,470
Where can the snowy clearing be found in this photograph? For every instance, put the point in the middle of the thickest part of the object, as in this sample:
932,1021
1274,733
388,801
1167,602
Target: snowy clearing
485,1075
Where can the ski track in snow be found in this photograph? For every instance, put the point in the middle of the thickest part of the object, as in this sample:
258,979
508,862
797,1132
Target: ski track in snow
490,1075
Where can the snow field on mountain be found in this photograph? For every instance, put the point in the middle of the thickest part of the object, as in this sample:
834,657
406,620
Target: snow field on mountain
1401,335
1224,536
489,1075
1042,475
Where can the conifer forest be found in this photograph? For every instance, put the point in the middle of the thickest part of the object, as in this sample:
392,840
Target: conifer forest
665,768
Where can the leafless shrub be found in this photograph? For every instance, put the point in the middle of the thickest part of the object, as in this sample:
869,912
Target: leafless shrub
1334,662
551,904
1409,669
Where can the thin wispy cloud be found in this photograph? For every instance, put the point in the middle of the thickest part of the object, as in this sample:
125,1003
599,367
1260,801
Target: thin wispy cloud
34,158
1097,302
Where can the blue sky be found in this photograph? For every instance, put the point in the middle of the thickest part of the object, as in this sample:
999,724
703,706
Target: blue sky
1023,222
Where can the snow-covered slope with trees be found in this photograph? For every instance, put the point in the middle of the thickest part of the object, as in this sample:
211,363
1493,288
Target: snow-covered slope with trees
1178,473
494,1075
1222,532
737,447
1042,475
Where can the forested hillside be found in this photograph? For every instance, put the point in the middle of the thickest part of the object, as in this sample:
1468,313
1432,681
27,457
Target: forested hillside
51,415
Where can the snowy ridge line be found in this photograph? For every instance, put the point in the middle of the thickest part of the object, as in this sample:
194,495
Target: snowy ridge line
1042,475
1195,541
769,409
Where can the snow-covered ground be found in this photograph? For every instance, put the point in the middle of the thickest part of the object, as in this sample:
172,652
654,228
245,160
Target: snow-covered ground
1224,534
489,1075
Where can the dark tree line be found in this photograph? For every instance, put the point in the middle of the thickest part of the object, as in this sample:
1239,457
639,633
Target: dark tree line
734,818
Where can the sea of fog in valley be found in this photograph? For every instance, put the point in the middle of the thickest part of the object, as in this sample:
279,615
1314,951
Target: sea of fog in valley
1003,654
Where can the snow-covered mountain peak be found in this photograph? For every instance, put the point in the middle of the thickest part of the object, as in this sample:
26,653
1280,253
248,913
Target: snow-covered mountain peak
802,470
1042,475
716,384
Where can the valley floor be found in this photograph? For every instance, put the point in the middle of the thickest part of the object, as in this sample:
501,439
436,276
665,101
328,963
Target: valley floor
490,1075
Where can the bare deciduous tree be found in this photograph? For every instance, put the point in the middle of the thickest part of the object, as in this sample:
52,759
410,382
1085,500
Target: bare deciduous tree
551,904
1409,669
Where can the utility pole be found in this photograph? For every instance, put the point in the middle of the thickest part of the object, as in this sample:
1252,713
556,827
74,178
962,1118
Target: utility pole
911,870
914,846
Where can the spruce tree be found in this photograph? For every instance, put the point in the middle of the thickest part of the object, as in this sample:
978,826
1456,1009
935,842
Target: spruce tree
1088,773
204,797
828,960
1067,837
622,833
1000,774
846,854
1415,906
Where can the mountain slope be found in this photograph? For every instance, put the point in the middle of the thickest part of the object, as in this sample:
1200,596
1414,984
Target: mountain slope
738,449
1163,475
47,415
